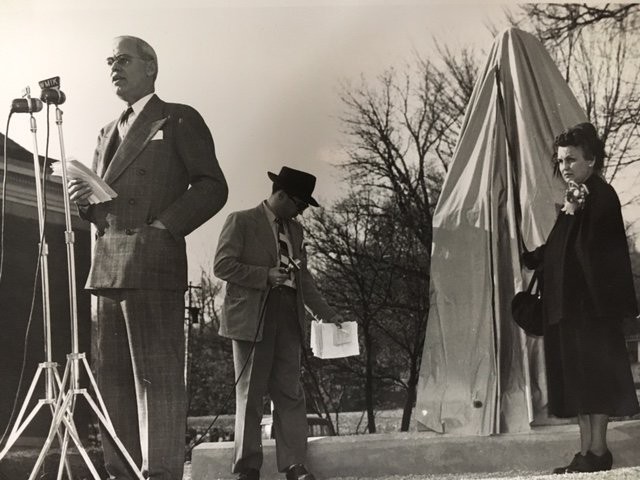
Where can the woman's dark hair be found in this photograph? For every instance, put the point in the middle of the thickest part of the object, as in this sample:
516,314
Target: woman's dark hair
581,135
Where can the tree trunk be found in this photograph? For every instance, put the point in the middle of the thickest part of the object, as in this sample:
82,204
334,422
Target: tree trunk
368,387
410,400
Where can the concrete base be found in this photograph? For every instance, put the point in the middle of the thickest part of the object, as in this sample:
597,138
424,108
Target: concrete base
428,453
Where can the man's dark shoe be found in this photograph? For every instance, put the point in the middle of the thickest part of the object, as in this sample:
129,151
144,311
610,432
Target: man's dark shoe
249,474
298,472
580,463
602,462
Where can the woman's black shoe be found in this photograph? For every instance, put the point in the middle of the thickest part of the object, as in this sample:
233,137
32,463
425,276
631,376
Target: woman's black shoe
249,474
600,462
580,463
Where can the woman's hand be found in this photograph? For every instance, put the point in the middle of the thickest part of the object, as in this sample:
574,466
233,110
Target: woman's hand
530,259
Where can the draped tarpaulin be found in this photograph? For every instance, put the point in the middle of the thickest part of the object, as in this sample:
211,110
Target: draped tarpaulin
475,374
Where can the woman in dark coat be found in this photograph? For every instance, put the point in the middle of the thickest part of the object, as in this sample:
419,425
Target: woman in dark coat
587,290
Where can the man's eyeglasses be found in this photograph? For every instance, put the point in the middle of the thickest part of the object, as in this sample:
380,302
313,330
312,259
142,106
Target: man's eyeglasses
121,60
300,204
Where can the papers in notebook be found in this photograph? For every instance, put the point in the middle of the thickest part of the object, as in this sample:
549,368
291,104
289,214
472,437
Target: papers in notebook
77,170
329,341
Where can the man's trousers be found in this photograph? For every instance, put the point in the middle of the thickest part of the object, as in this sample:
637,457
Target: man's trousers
272,367
140,373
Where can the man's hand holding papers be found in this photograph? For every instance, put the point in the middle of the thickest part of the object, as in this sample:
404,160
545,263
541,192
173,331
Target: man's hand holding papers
85,187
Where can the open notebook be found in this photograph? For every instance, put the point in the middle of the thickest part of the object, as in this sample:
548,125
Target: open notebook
330,341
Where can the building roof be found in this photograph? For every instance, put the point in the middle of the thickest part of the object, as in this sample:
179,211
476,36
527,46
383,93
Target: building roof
21,192
18,152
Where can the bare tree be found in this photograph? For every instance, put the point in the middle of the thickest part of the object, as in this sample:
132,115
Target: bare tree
375,270
402,132
557,22
350,271
595,48
211,375
372,249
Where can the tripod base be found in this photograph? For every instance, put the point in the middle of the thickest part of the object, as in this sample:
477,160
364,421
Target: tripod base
53,385
63,426
64,415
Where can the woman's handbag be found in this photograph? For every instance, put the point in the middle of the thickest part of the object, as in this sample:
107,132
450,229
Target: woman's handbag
526,308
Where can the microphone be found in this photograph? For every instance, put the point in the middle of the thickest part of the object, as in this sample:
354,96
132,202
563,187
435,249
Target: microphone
53,96
26,105
294,265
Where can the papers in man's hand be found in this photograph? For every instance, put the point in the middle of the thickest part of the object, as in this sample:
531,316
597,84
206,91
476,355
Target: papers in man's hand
77,170
329,341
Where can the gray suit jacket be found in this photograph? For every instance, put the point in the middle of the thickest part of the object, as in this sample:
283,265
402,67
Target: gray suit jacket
165,169
246,250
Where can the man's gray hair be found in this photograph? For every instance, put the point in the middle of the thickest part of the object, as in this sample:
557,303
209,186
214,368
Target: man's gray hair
145,51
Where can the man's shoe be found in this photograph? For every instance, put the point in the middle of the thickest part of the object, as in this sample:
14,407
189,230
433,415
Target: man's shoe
249,474
580,463
298,472
602,462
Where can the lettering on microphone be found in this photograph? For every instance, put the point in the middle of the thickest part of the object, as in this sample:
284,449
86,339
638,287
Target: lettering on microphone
51,93
53,82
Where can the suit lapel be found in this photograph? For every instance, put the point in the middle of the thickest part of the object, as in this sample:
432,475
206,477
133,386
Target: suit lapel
264,232
265,235
107,152
144,127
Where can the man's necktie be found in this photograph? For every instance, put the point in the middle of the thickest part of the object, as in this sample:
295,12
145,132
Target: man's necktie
283,246
123,123
122,127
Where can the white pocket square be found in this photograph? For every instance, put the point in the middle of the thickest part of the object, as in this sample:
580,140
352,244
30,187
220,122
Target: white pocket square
158,136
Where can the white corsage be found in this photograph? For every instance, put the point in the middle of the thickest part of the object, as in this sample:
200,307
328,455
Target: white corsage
574,197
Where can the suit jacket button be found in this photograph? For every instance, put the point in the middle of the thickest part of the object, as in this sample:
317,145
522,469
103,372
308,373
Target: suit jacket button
141,171
132,201
128,231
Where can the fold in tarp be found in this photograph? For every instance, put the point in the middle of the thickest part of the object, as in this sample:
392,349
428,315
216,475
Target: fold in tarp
480,375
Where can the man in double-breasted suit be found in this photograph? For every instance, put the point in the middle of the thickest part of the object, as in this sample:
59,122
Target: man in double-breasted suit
261,256
160,159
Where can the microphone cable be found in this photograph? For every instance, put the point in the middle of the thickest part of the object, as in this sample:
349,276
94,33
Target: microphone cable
36,272
232,390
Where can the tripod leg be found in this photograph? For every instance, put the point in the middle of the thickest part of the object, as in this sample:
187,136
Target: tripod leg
106,422
96,390
71,430
64,460
53,431
62,439
18,426
62,383
64,464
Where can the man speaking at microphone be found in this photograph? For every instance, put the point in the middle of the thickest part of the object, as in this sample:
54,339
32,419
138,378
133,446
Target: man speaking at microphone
261,256
160,159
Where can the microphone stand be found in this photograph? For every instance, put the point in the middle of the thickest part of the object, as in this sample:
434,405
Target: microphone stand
76,361
48,367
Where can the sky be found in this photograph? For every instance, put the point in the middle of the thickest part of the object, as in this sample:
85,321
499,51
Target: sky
265,75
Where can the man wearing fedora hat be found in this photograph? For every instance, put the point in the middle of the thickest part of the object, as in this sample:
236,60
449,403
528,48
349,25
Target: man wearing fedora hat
261,257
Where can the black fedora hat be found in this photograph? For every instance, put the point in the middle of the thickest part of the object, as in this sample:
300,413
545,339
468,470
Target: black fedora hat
296,183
